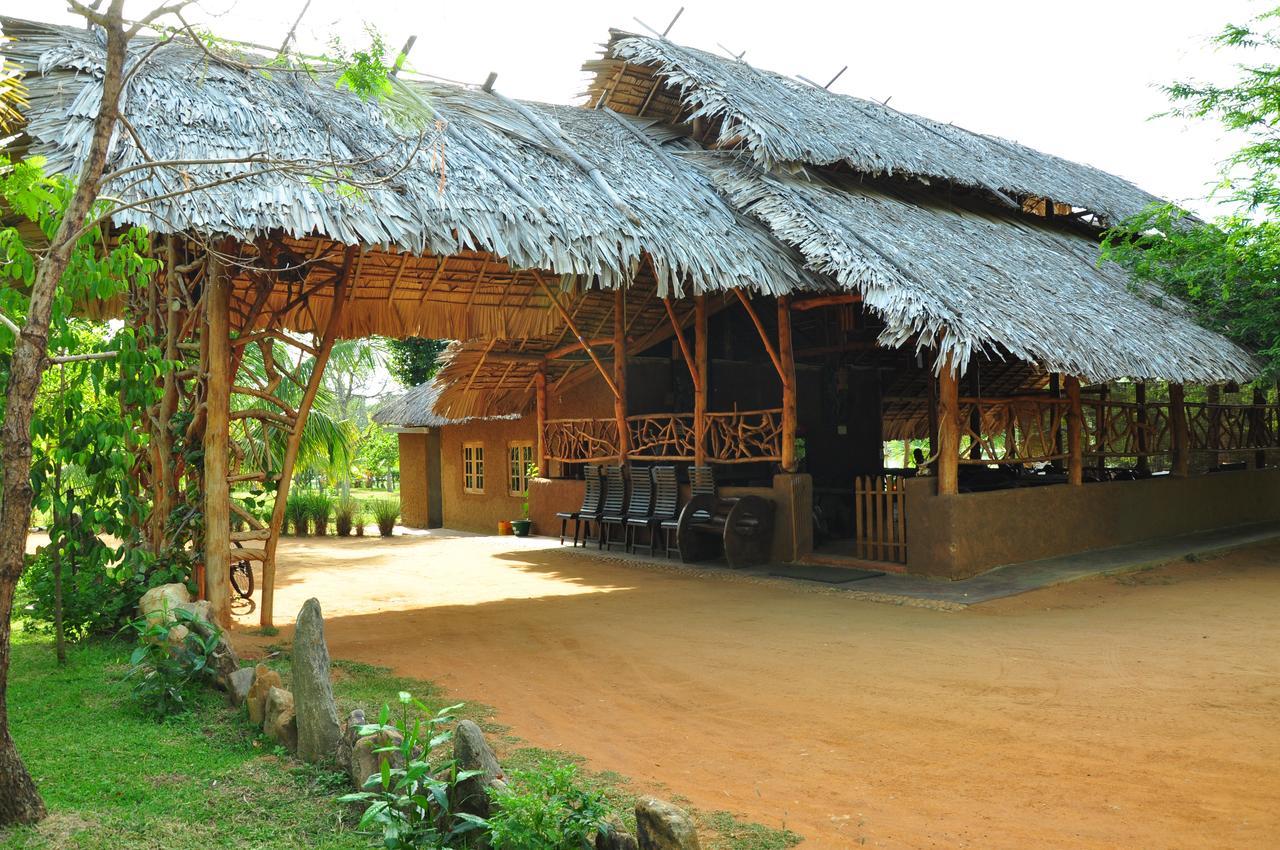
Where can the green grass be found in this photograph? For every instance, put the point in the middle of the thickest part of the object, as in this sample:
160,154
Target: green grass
112,778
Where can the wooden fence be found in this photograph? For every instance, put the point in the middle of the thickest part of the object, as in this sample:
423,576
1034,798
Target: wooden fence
880,518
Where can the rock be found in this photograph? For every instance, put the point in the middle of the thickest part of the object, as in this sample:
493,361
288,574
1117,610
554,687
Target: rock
239,684
662,826
168,596
366,761
350,734
318,731
615,837
264,679
281,723
472,752
223,660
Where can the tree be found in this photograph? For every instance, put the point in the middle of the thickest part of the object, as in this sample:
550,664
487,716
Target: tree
415,360
1225,269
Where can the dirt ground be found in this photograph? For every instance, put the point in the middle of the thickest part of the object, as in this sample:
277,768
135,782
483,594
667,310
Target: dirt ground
1132,712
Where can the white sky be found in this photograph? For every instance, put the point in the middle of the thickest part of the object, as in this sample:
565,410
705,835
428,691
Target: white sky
1073,79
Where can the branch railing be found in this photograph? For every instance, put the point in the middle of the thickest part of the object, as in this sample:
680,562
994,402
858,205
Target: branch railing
740,436
1233,427
1014,429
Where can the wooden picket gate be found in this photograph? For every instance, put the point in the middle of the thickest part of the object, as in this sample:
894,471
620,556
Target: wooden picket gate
880,518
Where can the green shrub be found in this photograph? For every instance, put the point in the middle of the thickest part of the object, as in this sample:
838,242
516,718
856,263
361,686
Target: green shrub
409,807
297,512
361,520
167,672
320,507
386,512
344,514
546,809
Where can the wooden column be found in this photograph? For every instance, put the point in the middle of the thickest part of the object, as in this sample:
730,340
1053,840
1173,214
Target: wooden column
948,430
1075,432
1055,390
789,413
1140,395
217,490
1213,398
620,370
700,349
1258,426
932,384
1179,434
540,404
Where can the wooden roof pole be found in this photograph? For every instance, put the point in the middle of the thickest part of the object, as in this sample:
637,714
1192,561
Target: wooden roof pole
1140,415
948,430
1075,431
323,351
789,408
573,328
764,336
540,406
1179,434
620,370
700,380
217,426
684,345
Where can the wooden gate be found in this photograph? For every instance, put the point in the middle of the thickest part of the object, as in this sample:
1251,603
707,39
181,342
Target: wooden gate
880,518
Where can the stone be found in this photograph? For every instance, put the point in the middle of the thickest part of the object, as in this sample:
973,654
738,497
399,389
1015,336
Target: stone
472,752
318,731
615,837
264,679
281,723
239,684
662,826
366,760
223,661
350,734
164,596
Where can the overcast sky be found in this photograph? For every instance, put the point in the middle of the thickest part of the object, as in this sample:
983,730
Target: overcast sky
1077,80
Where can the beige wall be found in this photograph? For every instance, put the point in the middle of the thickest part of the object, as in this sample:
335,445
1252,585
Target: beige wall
413,480
965,534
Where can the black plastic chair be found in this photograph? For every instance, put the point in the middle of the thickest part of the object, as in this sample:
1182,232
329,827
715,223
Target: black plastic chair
666,508
702,482
611,509
590,510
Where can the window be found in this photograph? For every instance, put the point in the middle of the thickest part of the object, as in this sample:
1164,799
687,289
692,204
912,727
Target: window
519,456
473,467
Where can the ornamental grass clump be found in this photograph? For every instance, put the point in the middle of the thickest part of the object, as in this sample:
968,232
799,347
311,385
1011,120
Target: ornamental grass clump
297,513
344,515
385,513
320,506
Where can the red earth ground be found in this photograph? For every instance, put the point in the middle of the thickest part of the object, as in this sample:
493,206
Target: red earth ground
1131,712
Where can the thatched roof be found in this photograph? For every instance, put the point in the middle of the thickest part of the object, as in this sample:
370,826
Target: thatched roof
489,180
415,408
970,281
784,120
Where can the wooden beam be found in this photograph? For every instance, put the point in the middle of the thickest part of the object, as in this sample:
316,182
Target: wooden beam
764,337
323,350
701,345
557,353
217,492
684,344
1075,431
1140,396
789,411
826,301
1179,433
948,430
620,370
573,328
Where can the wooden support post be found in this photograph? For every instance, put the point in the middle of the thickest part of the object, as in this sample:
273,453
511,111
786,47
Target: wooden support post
789,412
1258,426
620,370
1103,428
1213,398
948,430
700,348
1140,396
1055,390
764,337
324,347
1075,432
1179,433
217,491
540,405
932,383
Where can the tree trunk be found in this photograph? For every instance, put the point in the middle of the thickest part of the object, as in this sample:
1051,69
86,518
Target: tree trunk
19,800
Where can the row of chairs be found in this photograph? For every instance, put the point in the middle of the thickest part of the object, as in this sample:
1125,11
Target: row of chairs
646,500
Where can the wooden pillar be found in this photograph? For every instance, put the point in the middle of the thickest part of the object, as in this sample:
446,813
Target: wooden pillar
1055,390
1140,395
1213,398
1179,434
217,490
540,404
1258,426
620,370
1075,432
948,430
789,413
932,384
1104,428
700,354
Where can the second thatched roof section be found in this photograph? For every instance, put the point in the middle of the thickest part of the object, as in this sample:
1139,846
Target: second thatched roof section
416,408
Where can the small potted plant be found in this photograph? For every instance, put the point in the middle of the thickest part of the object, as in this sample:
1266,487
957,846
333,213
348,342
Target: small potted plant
524,525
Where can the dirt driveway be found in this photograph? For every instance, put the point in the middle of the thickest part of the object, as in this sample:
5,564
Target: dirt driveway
1141,712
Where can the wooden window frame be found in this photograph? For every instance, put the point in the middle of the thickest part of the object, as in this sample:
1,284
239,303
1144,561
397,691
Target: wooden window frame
473,471
518,474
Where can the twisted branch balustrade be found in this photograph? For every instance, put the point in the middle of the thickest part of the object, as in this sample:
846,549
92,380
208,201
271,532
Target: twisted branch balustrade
745,436
580,440
662,436
1016,429
1233,427
1117,429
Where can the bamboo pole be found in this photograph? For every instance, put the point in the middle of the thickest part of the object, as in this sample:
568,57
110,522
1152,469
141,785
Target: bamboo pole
948,430
1179,433
540,397
701,345
217,491
789,413
323,350
764,337
620,370
1075,432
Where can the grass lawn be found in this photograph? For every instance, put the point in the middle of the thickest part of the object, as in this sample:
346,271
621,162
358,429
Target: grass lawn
112,778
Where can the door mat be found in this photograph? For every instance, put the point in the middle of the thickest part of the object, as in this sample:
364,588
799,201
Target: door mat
830,575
